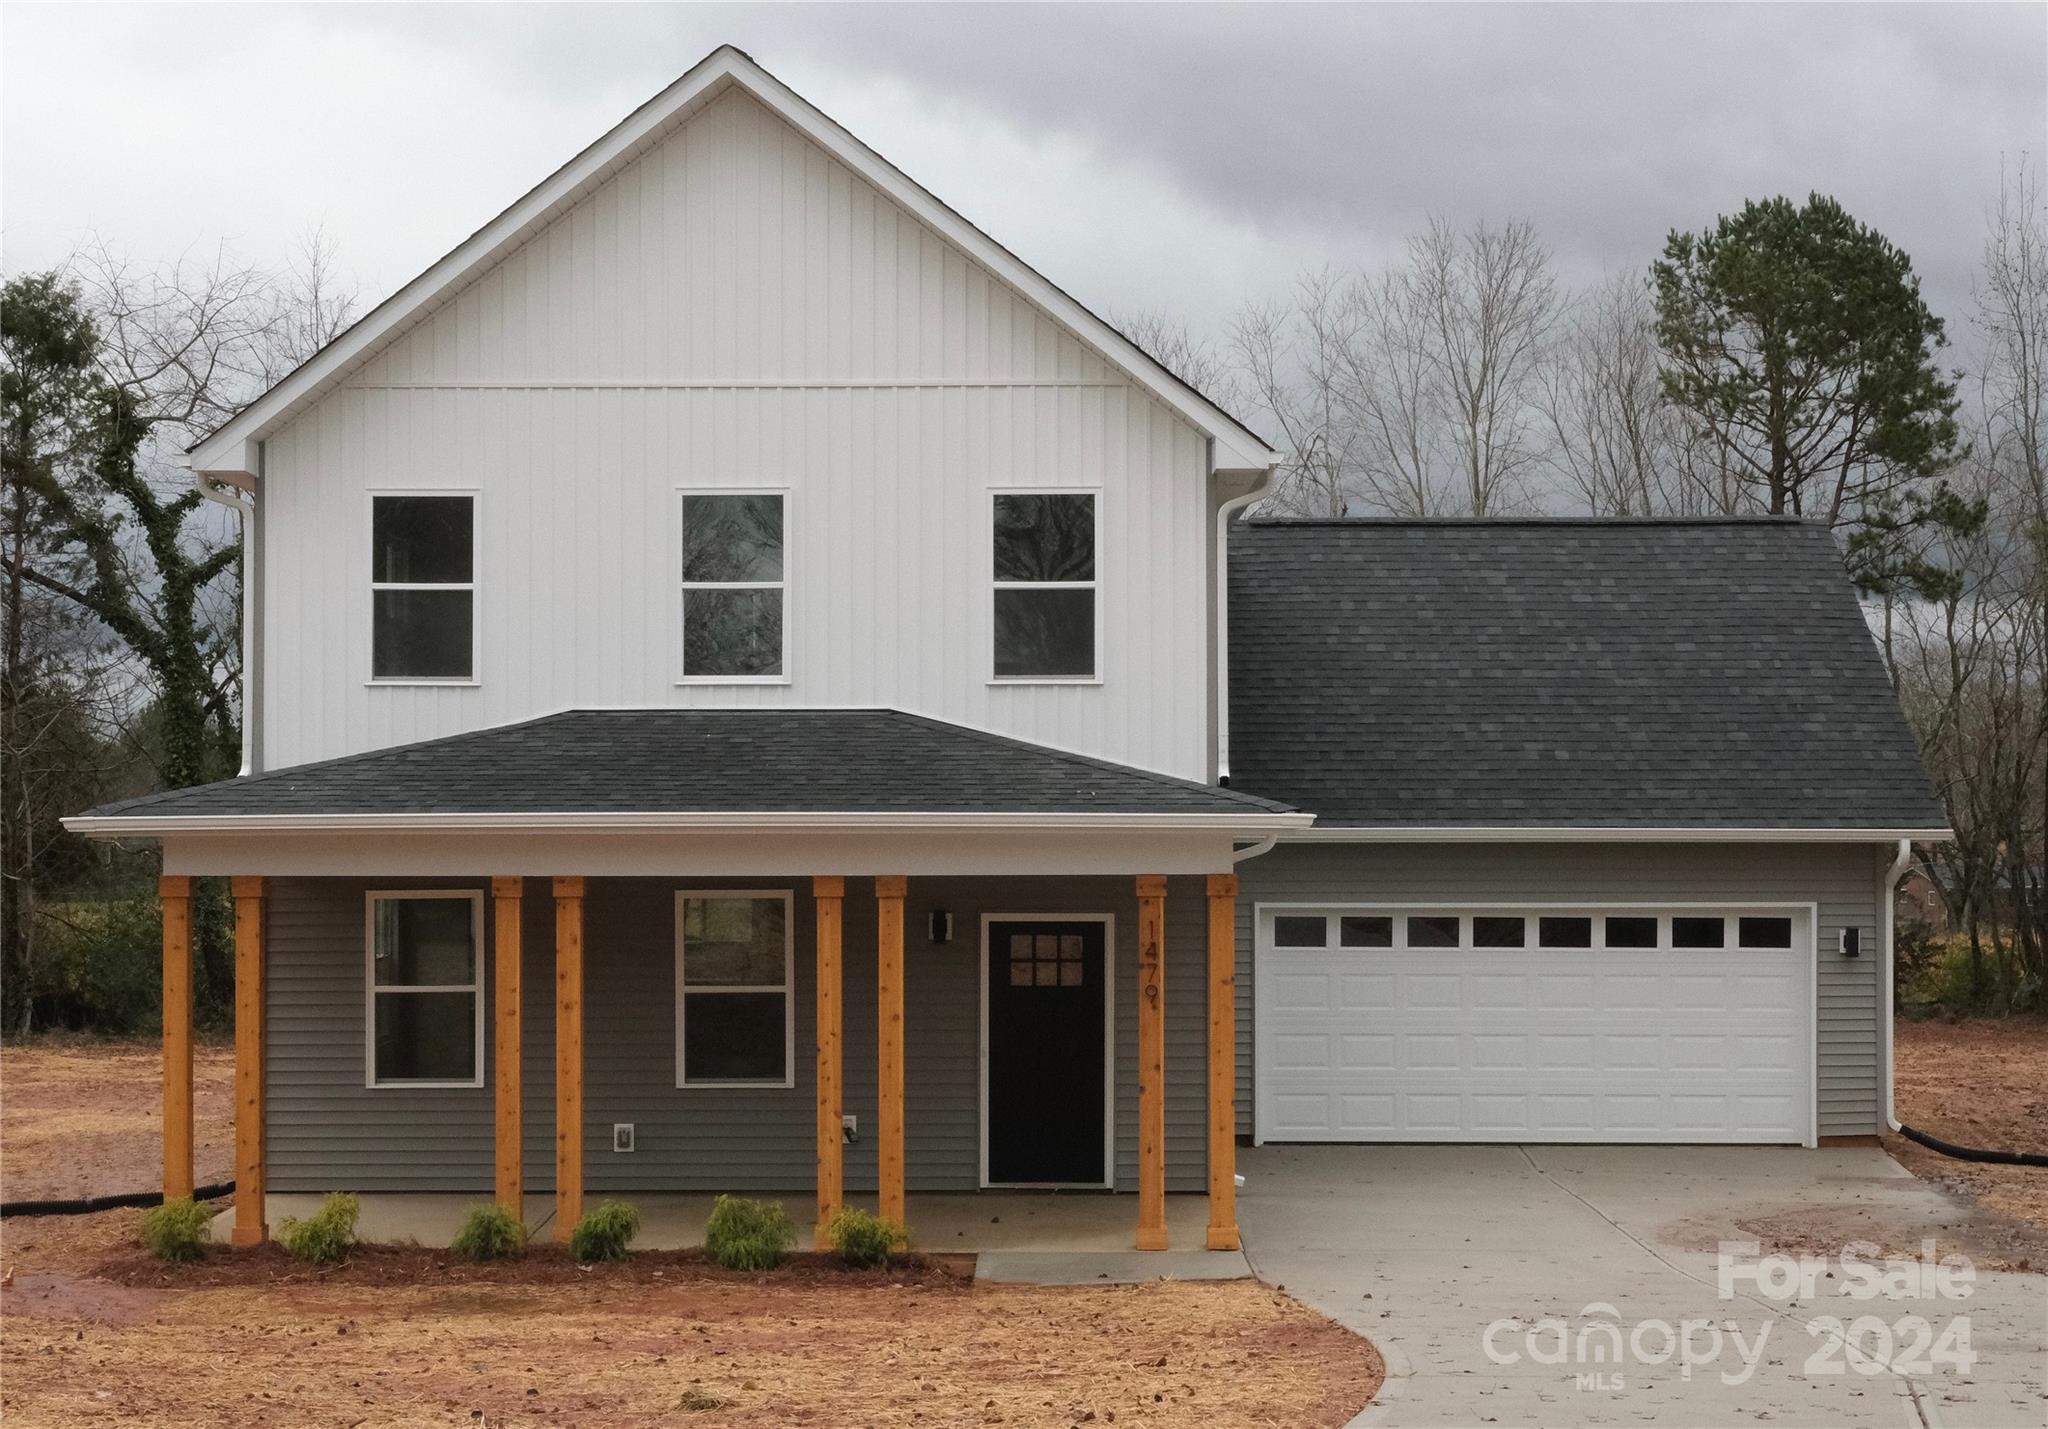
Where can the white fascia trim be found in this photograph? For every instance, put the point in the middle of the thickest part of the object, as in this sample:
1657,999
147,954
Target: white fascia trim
227,448
133,825
1604,834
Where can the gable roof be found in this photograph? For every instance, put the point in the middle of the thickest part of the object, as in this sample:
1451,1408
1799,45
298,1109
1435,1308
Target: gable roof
1627,675
229,448
680,767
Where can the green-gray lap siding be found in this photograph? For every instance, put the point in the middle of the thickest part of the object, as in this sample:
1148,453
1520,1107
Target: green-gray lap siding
1842,879
327,1130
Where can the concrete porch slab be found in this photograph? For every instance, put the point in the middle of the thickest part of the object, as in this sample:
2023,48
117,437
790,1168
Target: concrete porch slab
1091,1224
1108,1267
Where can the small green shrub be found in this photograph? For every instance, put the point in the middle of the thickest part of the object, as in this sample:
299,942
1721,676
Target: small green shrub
748,1235
602,1234
864,1239
327,1234
176,1230
489,1233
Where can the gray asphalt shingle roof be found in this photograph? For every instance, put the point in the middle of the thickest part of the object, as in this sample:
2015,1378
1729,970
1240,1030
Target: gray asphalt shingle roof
1563,673
706,761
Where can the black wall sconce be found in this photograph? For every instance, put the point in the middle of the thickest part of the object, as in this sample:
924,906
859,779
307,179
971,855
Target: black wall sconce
1852,942
939,927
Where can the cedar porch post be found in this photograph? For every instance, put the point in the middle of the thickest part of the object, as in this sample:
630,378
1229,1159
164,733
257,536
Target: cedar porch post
1151,1062
249,1183
889,891
176,895
568,1056
507,896
830,893
1223,1061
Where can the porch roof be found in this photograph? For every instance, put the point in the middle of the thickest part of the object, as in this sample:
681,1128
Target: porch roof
676,767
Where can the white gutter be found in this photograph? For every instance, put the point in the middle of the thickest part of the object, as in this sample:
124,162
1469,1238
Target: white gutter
1889,914
1224,513
229,493
1595,833
144,825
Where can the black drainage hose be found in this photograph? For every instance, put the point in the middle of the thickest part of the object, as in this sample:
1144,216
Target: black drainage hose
85,1206
1973,1153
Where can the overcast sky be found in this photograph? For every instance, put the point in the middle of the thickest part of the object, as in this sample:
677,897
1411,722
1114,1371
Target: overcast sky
1147,156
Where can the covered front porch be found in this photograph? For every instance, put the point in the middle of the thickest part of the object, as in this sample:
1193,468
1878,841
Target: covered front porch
431,1041
661,953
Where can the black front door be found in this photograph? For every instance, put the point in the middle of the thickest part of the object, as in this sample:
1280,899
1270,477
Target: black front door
1046,1003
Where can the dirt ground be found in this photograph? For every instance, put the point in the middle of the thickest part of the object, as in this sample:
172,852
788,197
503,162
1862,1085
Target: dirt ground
1978,1082
93,1332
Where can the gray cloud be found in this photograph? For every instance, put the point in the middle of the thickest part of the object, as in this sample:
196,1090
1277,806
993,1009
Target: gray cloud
1248,139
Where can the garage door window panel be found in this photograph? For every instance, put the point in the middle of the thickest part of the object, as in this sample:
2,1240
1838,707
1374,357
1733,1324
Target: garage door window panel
1493,931
1365,932
1433,930
1631,932
1770,933
1566,933
1696,932
1292,930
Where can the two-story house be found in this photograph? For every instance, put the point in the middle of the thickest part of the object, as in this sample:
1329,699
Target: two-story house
750,686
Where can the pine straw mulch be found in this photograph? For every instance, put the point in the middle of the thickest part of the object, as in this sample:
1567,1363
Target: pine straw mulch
404,1336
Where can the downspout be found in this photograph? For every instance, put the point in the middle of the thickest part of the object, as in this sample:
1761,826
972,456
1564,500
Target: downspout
1224,513
242,499
1890,913
1264,845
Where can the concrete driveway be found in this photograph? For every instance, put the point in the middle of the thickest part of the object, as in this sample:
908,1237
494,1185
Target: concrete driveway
1489,1275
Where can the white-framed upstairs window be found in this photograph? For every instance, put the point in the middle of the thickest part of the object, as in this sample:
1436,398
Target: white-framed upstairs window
735,587
423,627
1046,605
735,965
423,987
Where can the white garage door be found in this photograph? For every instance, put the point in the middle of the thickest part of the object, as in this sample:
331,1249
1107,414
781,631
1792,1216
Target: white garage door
1434,1023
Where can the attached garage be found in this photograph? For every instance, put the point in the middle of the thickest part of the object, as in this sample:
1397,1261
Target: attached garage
1491,1022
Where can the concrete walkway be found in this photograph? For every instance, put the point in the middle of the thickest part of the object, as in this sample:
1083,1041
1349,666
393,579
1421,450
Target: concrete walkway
1429,1250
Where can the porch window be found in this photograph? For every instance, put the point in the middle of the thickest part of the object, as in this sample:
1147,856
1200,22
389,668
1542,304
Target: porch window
423,588
734,587
425,989
735,1026
1045,586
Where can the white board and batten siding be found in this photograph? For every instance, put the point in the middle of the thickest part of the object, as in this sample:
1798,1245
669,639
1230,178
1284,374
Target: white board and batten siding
736,309
1444,1045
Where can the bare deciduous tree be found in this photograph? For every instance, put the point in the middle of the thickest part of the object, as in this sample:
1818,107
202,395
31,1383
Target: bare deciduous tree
1294,357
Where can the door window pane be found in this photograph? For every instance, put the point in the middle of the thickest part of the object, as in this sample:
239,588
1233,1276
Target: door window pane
1433,930
1631,932
1357,931
1295,931
1565,932
1764,932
